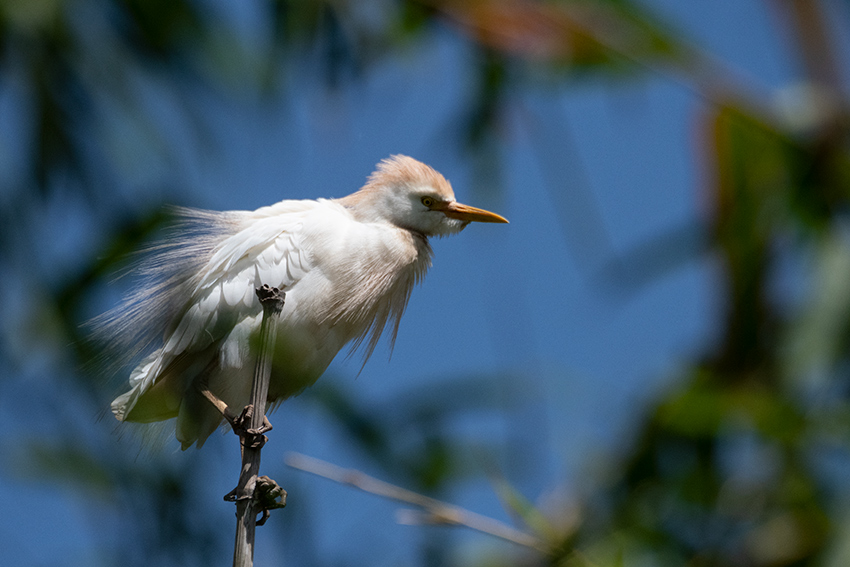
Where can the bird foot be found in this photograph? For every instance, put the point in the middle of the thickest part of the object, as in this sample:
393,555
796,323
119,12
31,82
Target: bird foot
252,438
268,495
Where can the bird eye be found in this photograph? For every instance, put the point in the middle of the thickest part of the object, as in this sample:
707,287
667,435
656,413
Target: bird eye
427,201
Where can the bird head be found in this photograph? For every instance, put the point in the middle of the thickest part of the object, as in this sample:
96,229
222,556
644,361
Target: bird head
411,195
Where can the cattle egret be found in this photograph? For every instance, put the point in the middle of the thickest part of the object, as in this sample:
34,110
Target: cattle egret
347,267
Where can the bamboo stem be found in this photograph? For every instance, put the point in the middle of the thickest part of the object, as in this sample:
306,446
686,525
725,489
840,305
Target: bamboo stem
246,506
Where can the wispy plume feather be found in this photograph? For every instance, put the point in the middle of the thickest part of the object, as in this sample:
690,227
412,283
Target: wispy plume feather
165,274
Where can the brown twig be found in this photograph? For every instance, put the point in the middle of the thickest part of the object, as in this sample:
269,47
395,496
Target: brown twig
808,23
436,511
253,418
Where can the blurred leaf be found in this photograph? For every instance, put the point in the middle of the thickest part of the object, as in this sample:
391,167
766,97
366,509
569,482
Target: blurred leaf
415,17
704,409
67,465
816,339
516,504
750,182
161,28
124,245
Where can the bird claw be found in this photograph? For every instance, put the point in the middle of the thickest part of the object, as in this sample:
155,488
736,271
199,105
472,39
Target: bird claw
231,496
268,293
252,438
268,495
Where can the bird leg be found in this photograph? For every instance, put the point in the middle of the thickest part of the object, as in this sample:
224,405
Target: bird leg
241,424
217,402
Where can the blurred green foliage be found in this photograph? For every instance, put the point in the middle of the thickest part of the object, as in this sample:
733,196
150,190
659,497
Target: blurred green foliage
727,469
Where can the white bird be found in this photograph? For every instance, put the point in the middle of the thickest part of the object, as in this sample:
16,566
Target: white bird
347,267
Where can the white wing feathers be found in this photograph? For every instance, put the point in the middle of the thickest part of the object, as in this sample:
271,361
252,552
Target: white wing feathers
222,292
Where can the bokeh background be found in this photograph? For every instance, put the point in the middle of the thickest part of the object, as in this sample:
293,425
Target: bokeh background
648,366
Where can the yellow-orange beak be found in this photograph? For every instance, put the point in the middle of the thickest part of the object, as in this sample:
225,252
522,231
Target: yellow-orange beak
469,214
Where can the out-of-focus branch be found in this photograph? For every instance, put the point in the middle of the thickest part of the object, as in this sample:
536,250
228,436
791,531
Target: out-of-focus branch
569,31
818,57
435,511
821,67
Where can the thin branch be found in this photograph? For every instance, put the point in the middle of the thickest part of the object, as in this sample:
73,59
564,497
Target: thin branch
252,440
437,512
